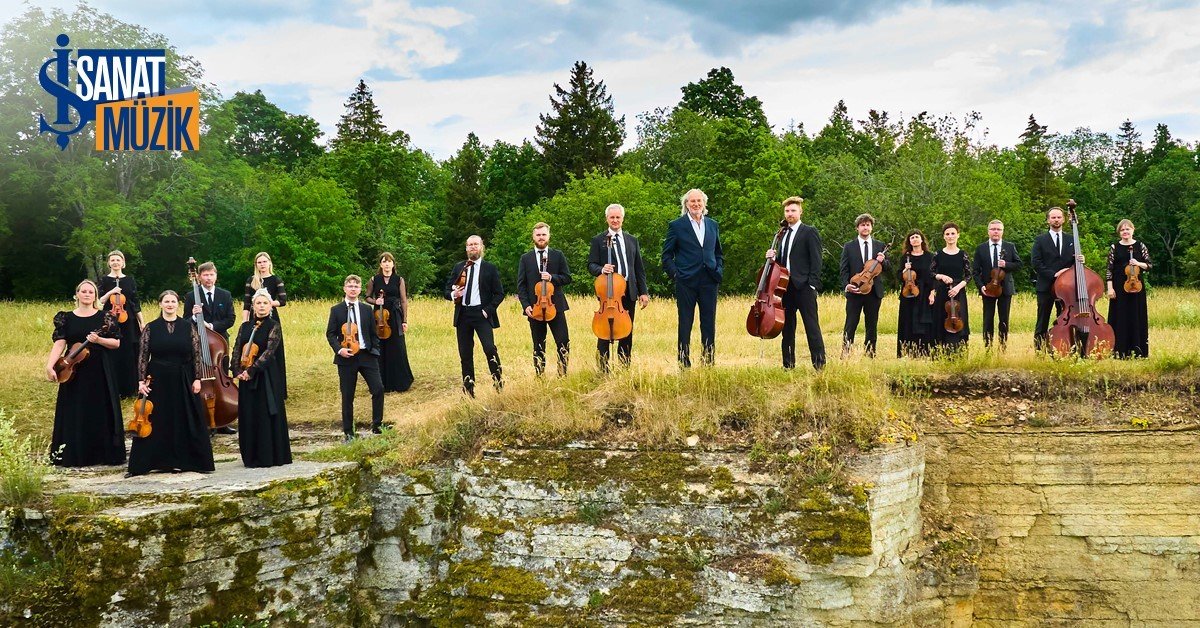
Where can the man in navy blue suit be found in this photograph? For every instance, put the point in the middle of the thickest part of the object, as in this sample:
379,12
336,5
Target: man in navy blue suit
693,259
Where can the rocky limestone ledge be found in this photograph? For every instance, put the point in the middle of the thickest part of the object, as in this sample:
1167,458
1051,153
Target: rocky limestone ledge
591,536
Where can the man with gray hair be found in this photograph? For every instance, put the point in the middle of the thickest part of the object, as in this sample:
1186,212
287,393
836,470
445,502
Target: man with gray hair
693,259
626,256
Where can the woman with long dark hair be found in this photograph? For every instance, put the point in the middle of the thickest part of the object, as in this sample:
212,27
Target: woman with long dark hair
387,289
951,272
914,330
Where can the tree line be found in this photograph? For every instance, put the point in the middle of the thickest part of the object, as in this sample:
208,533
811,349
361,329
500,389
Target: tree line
266,179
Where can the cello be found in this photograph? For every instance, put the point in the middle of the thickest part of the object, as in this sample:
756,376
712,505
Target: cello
217,391
766,316
1080,327
611,320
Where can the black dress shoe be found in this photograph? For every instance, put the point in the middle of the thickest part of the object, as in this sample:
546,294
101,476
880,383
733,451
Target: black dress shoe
377,429
225,430
347,438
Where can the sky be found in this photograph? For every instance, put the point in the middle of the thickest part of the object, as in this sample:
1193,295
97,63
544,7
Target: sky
440,70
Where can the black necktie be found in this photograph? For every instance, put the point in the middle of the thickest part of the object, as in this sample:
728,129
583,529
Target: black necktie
542,261
866,253
470,282
786,249
620,256
995,254
208,299
1057,246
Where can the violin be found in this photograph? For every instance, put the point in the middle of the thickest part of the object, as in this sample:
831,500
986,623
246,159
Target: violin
994,287
611,320
865,279
250,350
350,333
543,308
117,300
383,327
217,390
953,323
1080,327
766,316
909,277
1133,275
461,282
139,425
78,353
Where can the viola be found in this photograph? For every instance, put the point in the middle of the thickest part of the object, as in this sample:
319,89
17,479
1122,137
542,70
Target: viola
250,350
994,287
909,277
117,300
350,333
953,323
865,279
766,316
611,320
78,353
139,425
1133,275
461,282
1080,328
383,326
217,391
543,308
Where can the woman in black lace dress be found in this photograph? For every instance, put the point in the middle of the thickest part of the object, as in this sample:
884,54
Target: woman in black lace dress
951,272
88,428
168,361
388,290
126,356
914,330
264,279
262,420
1127,310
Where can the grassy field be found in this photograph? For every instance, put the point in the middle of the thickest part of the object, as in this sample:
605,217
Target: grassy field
746,380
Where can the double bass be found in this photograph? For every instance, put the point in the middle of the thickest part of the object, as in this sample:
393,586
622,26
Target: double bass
766,316
217,391
1080,327
611,320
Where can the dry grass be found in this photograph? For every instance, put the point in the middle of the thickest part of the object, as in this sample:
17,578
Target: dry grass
657,404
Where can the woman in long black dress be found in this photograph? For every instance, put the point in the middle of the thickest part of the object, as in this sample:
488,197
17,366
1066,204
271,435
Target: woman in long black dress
387,289
88,428
951,271
264,279
125,357
1127,310
168,361
914,331
262,420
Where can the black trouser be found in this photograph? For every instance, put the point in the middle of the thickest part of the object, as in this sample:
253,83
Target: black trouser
806,304
1041,330
624,345
367,364
562,340
471,321
989,315
689,293
868,306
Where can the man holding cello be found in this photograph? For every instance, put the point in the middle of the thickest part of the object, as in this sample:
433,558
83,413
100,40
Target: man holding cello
626,256
541,274
862,265
994,265
800,254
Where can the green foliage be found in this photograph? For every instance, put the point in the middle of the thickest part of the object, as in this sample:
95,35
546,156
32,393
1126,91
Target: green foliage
24,465
580,133
261,133
718,96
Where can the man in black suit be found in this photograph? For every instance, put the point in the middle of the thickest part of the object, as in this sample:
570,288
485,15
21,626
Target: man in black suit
692,257
1053,253
351,364
800,250
855,255
217,308
475,304
627,262
990,254
545,264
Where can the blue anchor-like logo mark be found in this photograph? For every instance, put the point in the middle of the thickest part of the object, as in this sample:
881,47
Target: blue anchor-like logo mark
67,98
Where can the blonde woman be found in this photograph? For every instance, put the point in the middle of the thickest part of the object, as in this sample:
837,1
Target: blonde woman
1127,312
88,429
114,283
262,420
264,279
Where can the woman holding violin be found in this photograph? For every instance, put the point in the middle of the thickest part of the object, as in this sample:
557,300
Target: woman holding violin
263,433
88,428
388,295
1128,259
951,273
264,279
914,330
119,295
168,367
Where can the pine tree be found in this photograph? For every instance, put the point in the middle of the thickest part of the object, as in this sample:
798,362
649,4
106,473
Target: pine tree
464,198
581,132
1129,145
1034,134
363,123
718,96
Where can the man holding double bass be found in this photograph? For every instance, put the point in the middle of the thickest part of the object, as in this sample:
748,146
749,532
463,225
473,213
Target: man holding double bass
991,255
544,264
1053,253
800,253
